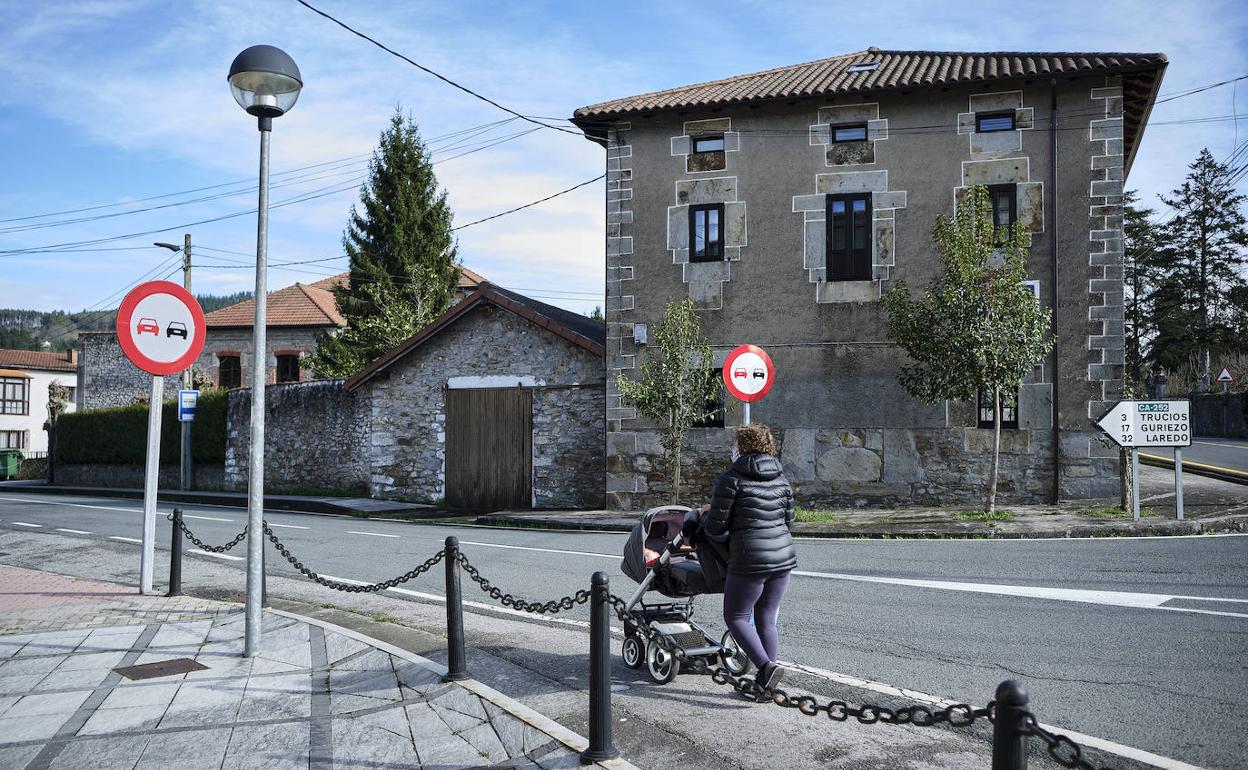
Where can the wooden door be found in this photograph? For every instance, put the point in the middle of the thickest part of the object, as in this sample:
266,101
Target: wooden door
489,448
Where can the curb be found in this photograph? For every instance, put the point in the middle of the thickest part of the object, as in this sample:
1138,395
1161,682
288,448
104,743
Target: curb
1196,469
538,721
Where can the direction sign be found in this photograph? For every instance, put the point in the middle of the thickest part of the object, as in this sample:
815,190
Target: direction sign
187,400
1225,375
1149,423
748,373
160,327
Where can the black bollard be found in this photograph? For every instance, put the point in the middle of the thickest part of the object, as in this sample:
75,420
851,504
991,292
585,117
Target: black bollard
601,747
456,657
175,555
1009,744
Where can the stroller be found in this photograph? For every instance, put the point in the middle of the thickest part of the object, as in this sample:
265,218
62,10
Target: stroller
667,552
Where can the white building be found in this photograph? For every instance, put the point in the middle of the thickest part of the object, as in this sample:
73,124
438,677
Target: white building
24,379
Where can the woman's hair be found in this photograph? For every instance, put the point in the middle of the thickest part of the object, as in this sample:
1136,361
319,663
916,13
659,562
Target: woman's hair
755,439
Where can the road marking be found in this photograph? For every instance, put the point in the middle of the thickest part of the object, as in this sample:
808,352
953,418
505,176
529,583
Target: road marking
1085,596
225,556
1215,443
69,505
1189,463
206,518
370,534
24,524
125,539
542,550
287,526
1130,752
73,531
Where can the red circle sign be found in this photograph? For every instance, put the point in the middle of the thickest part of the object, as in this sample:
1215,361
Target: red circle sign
748,372
161,327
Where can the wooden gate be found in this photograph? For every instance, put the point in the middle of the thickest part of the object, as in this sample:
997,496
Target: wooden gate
489,448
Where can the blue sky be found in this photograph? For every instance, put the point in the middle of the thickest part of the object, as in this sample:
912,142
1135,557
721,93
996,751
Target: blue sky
109,101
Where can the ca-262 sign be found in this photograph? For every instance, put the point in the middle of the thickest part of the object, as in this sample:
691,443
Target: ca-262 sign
1149,423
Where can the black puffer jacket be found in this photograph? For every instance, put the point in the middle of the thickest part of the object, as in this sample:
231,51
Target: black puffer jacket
753,504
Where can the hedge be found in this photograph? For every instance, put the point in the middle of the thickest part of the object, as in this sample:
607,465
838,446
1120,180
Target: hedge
118,436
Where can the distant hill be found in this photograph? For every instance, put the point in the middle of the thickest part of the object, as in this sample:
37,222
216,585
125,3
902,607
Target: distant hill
58,330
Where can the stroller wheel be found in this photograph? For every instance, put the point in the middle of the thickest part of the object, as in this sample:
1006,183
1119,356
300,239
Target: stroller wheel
633,652
661,665
733,658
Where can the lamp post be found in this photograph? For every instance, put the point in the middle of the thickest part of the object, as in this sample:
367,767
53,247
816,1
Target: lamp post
266,83
186,472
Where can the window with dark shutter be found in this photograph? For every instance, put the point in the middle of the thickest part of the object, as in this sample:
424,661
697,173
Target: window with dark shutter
1009,409
229,372
848,223
1004,201
706,232
288,368
714,412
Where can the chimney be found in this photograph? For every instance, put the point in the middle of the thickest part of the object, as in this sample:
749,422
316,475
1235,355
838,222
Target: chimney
73,356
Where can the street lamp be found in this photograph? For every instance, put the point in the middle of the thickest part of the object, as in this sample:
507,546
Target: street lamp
266,83
186,471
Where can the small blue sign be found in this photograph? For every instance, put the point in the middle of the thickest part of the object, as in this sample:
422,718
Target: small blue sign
187,399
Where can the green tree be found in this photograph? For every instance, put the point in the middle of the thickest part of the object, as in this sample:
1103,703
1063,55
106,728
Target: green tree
404,267
677,382
1140,278
1201,253
978,327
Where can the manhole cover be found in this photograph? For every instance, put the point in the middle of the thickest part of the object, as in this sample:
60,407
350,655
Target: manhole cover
160,668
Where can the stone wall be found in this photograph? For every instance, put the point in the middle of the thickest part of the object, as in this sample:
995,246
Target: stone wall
569,436
107,378
280,340
1219,414
208,477
315,438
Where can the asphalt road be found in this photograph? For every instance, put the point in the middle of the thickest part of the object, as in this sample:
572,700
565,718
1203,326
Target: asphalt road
1228,453
1136,641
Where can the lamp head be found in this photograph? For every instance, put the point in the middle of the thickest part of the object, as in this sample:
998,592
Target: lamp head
265,81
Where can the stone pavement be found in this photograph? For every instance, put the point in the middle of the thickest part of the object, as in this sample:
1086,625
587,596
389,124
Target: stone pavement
317,696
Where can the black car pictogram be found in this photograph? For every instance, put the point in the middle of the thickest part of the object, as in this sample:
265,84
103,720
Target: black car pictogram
176,328
759,374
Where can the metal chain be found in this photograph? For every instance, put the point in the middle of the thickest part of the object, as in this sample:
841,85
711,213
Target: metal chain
364,589
200,543
507,600
1062,749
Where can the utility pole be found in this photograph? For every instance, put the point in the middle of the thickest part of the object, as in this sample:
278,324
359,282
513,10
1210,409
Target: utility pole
187,475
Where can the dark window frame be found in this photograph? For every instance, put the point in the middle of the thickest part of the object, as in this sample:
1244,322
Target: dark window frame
1009,410
22,439
994,191
22,400
980,117
694,141
713,250
285,358
237,361
847,126
718,412
848,264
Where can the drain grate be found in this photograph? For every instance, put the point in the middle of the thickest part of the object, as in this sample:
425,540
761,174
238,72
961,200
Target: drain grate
160,668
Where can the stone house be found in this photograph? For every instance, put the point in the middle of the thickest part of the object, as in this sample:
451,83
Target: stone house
499,403
784,202
297,317
25,376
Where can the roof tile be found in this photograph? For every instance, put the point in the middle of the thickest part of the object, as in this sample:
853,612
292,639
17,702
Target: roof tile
37,359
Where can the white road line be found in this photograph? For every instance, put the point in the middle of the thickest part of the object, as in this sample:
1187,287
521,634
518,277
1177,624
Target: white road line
206,518
24,524
370,534
225,556
1215,443
125,539
542,550
287,526
4,498
73,531
1112,598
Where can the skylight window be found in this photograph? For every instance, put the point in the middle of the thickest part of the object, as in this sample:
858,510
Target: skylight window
866,66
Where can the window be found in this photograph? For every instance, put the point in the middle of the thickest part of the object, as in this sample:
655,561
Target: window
849,237
715,412
1003,199
288,368
230,372
850,133
706,232
708,144
867,66
1009,409
12,439
14,395
987,123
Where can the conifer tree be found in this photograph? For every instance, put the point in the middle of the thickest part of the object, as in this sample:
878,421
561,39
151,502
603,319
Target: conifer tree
404,268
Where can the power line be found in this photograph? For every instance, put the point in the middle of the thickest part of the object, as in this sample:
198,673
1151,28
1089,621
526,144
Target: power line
1198,89
425,69
528,205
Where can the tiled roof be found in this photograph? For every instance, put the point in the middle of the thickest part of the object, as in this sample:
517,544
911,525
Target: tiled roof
468,280
580,330
298,305
37,359
895,69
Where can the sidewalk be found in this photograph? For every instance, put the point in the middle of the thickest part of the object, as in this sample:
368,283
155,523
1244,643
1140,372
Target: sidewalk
1210,506
318,696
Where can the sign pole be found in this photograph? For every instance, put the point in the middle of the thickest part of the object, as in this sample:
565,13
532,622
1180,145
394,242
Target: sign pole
746,406
151,481
1135,484
1178,481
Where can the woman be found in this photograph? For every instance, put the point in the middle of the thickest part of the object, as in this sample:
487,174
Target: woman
752,505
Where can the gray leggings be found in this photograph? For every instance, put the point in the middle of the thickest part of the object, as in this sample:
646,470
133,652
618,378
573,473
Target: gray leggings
755,597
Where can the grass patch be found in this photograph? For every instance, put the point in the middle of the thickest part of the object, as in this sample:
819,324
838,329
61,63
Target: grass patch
1114,512
983,516
383,617
817,515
